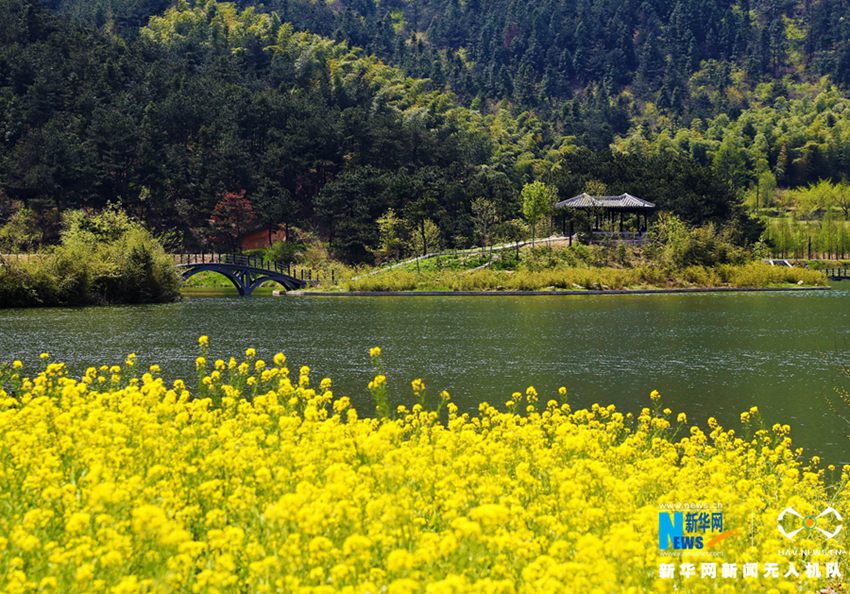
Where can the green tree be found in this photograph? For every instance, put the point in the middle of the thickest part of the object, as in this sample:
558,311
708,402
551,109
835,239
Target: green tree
729,162
349,206
765,189
273,205
842,198
424,237
390,230
594,187
538,200
765,180
425,204
21,232
512,230
484,216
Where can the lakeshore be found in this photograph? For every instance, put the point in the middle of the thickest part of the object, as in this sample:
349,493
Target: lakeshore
543,293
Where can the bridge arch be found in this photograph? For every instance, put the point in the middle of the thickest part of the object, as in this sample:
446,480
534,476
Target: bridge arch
263,279
190,272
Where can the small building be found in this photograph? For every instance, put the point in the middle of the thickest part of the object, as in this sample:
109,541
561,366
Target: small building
262,238
611,215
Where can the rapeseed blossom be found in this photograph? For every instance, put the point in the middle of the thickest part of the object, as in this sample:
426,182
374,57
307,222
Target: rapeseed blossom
254,481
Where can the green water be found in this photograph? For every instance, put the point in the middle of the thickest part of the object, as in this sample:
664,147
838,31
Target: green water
709,354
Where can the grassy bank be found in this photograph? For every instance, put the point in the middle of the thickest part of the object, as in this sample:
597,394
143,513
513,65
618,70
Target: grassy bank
753,275
264,480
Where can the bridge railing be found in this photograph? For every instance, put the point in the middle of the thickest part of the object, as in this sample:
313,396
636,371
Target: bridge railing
297,272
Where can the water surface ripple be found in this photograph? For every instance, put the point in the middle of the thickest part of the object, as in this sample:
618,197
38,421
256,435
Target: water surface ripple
709,354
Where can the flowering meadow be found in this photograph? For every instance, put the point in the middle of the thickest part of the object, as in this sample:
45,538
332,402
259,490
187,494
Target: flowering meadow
264,480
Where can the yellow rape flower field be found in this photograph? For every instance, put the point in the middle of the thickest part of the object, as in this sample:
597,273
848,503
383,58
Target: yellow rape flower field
264,481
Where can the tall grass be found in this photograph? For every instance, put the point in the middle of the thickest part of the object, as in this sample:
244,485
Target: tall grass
752,275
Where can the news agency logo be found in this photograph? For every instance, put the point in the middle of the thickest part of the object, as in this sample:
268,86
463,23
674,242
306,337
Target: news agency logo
829,519
690,530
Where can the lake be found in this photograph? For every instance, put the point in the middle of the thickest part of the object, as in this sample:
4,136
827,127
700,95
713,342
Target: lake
708,354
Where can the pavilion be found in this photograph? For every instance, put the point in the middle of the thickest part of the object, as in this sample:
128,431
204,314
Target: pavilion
607,209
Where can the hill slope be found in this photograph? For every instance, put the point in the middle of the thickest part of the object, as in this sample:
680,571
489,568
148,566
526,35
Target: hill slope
211,100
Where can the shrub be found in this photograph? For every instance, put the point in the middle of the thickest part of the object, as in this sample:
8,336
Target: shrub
671,243
285,252
103,258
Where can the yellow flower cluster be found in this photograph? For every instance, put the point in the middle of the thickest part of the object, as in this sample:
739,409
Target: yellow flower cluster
120,482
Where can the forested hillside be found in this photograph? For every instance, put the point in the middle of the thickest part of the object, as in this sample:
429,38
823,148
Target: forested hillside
748,83
540,53
604,70
209,113
543,54
206,101
329,115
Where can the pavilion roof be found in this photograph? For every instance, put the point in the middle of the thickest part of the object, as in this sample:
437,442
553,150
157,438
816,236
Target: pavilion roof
621,202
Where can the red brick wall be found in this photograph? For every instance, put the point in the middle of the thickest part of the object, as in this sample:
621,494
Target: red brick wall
260,238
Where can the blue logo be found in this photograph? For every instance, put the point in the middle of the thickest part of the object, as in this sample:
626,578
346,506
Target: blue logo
681,531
